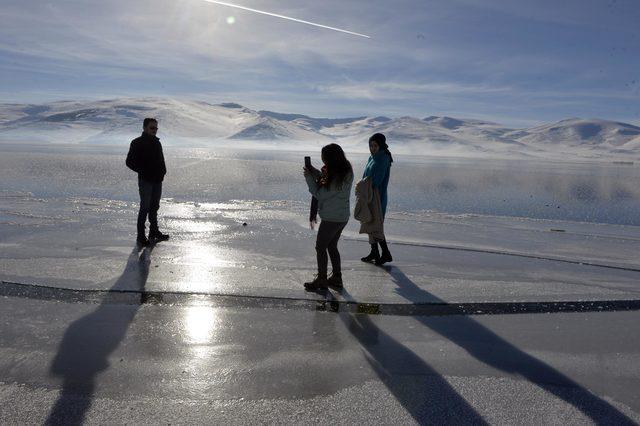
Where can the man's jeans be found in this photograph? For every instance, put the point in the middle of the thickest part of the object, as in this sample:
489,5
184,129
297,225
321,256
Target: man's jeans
150,193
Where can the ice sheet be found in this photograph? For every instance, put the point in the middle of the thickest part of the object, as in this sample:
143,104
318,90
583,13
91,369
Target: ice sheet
84,243
67,218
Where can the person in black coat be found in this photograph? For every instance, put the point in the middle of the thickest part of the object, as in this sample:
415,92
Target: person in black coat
146,158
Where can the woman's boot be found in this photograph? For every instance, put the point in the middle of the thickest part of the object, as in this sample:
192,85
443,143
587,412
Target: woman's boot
374,256
320,282
386,254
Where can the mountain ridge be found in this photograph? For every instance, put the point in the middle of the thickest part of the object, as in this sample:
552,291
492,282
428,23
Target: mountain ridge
114,120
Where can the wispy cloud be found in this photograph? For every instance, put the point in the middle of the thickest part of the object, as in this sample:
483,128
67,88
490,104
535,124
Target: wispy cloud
501,58
389,90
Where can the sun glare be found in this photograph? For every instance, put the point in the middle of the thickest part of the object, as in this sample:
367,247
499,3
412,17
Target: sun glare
201,263
200,323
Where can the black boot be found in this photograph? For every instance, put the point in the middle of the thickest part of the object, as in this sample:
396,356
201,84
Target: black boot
335,280
158,236
386,254
374,256
142,241
319,283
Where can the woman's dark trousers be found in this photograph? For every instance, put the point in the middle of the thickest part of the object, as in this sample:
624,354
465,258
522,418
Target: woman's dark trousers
150,193
327,241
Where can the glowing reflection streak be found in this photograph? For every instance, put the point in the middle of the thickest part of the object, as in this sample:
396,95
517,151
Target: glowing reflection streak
199,263
200,322
286,17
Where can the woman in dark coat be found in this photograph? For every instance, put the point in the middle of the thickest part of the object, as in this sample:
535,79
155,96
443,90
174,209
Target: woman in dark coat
378,169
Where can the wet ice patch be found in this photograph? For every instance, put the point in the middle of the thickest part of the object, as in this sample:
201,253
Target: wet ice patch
194,226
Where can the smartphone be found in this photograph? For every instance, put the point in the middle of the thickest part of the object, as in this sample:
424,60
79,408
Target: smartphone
307,163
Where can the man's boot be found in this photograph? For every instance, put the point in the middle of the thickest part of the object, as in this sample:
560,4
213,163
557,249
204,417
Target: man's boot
335,280
158,236
142,241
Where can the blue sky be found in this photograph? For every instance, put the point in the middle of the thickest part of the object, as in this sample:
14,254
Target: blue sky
512,61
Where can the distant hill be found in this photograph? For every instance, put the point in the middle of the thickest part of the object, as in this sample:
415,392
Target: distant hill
117,121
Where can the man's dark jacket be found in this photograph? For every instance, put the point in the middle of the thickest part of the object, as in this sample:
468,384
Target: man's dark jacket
145,157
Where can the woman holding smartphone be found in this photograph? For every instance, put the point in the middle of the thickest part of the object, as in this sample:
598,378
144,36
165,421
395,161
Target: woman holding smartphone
331,187
378,169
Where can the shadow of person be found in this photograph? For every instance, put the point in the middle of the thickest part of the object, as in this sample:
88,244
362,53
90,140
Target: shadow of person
417,386
88,342
491,349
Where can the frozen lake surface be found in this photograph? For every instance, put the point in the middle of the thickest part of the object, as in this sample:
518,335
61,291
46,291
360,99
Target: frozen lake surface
589,192
249,340
461,231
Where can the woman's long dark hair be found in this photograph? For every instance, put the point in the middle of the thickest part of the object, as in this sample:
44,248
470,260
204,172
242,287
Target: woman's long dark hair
338,167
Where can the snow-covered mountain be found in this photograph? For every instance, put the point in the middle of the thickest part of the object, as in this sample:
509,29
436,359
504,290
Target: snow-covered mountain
119,120
576,131
113,121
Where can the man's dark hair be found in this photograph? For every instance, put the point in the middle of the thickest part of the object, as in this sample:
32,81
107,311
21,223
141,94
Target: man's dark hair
148,120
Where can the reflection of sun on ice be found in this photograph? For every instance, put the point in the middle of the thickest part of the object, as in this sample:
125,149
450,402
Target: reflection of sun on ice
200,323
231,20
200,263
193,226
205,256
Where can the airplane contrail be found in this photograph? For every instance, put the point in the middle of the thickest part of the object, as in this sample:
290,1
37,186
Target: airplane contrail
285,17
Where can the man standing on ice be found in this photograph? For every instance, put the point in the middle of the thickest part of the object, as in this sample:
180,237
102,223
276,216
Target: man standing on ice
146,158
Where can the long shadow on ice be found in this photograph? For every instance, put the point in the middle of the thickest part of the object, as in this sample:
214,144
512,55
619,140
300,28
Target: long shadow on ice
488,347
421,390
88,342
